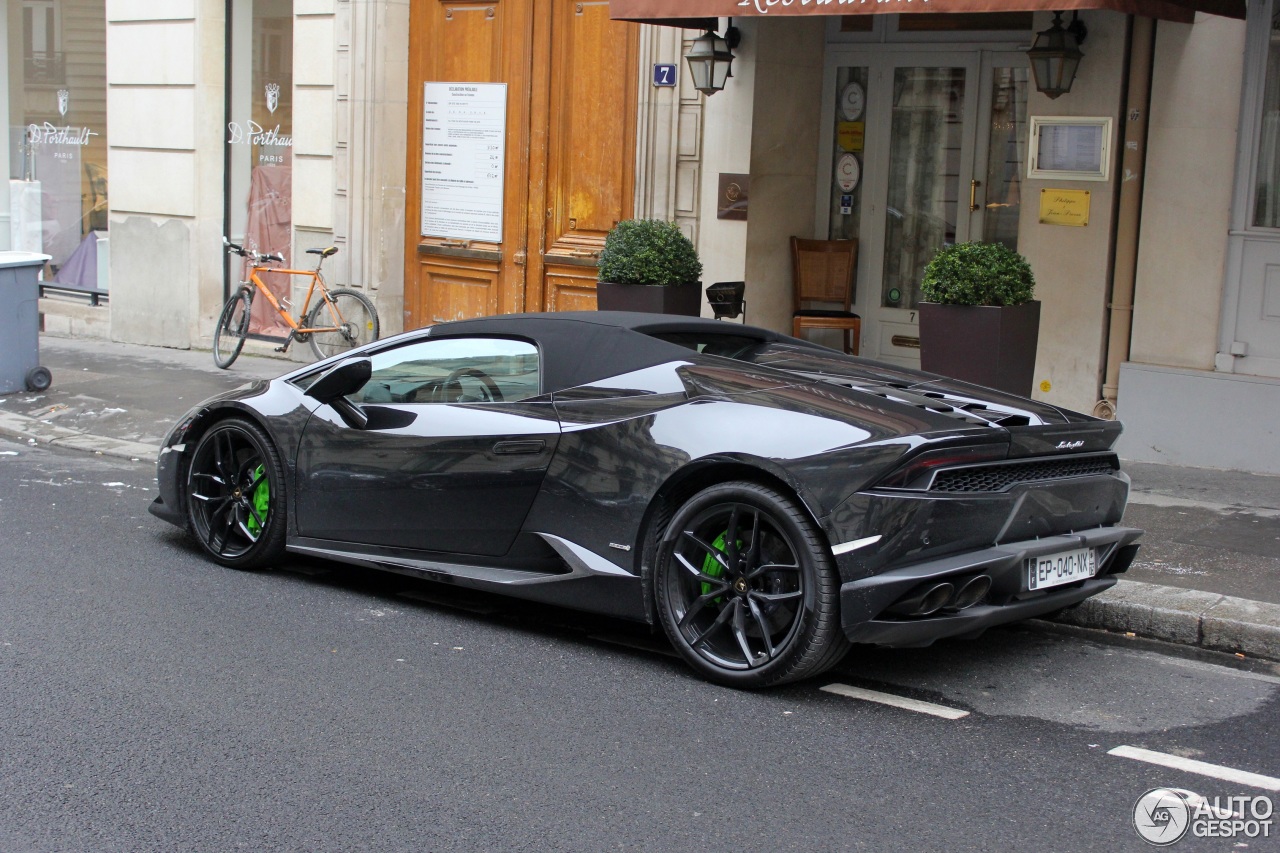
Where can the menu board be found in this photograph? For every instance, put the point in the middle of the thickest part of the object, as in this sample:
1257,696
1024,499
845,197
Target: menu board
464,140
1070,147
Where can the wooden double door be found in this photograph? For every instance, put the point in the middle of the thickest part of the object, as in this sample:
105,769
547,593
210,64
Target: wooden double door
571,90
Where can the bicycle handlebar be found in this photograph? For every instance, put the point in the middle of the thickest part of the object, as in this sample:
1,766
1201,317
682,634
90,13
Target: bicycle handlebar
256,257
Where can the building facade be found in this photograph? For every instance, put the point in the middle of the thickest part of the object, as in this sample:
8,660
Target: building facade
908,130
295,124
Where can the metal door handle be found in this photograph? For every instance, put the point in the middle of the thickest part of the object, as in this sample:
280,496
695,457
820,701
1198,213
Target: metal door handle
973,195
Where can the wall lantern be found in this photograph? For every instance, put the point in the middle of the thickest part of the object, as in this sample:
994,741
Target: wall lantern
711,59
1056,55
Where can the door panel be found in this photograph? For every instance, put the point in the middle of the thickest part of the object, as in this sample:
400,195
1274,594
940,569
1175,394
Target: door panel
1257,320
571,76
590,149
570,289
435,479
483,42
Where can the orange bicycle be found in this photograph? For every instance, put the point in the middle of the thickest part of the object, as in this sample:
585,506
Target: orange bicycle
342,319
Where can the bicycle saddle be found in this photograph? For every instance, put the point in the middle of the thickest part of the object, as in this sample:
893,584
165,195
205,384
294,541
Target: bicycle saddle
324,253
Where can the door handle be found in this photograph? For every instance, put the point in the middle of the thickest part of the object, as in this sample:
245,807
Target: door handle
973,195
511,448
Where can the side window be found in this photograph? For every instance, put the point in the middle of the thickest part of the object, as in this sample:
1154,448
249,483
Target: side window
454,370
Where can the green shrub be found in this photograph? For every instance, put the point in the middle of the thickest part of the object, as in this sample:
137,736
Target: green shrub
648,251
978,274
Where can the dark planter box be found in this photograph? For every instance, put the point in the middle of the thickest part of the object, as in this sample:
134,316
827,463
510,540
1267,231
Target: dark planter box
682,299
991,345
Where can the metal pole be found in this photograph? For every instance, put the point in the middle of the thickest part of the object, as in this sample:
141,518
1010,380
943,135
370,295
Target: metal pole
1129,214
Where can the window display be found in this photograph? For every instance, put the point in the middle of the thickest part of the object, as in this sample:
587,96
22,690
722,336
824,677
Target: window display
259,143
58,137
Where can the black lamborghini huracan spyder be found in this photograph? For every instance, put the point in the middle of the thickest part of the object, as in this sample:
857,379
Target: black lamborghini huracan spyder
766,500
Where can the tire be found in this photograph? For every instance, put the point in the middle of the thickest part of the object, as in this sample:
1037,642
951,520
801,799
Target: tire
38,379
746,590
232,329
236,495
359,321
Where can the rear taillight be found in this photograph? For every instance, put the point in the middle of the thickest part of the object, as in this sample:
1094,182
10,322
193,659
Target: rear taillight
917,471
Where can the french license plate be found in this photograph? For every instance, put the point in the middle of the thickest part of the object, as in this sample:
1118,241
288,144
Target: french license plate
1060,568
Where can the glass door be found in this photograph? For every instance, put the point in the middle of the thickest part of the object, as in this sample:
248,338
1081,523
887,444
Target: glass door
940,147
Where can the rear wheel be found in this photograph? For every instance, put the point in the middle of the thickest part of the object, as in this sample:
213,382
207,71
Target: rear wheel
235,495
746,590
353,315
232,329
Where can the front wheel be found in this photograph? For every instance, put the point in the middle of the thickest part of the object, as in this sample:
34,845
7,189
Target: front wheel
746,590
232,329
350,318
236,495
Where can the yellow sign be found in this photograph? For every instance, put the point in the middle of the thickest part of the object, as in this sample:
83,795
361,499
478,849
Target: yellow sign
849,135
1064,207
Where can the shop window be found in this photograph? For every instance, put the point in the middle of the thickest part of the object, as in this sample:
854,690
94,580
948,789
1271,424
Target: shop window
922,210
259,143
1006,156
58,138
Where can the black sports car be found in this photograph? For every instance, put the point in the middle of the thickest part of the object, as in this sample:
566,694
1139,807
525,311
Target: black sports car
766,500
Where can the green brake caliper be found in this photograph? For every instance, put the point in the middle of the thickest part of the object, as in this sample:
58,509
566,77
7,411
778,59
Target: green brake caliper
710,566
261,499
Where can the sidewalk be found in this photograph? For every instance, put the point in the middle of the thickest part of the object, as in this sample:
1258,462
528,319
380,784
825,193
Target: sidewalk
1208,574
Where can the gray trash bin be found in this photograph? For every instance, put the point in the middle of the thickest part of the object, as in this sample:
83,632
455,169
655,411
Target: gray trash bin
20,323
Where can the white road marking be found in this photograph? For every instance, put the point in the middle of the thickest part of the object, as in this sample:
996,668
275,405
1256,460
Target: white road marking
896,701
1202,768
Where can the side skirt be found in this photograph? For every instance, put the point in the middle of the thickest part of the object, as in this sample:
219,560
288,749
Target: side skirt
590,582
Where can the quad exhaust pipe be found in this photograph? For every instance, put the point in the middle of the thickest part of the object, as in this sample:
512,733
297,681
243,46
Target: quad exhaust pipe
971,592
930,597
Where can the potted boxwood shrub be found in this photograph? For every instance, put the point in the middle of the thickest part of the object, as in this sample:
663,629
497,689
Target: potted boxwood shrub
649,265
978,321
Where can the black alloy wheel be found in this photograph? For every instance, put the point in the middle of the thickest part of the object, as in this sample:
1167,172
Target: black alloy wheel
236,495
746,589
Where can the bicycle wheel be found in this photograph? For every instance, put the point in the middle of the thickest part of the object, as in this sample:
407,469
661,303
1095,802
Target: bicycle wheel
232,328
351,317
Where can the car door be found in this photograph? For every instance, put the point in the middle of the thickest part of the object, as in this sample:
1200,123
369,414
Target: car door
452,457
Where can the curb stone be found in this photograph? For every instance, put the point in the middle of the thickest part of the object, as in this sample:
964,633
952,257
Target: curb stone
1184,616
23,427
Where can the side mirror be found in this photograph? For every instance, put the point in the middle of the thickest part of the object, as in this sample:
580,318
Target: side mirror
337,382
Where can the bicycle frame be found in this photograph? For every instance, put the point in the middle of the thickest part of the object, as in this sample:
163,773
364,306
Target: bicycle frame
316,278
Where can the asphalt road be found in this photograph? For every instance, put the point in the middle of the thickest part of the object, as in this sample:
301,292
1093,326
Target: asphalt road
150,700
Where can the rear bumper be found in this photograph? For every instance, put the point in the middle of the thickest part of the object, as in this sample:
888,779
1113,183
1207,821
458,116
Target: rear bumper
863,602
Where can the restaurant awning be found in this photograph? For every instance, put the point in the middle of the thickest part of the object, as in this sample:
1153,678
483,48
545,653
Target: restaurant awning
694,13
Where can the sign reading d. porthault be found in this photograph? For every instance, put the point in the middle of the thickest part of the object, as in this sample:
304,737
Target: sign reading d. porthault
464,143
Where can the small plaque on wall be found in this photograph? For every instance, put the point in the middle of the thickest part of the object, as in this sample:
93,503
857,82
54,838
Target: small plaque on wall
1064,207
731,202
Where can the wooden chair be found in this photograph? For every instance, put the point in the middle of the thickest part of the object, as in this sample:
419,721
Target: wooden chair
823,272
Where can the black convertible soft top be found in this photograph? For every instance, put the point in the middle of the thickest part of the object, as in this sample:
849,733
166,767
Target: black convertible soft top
580,347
